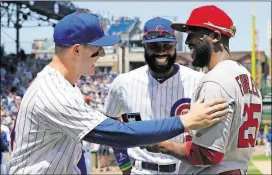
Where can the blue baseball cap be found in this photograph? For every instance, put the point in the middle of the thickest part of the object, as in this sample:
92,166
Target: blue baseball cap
82,28
159,24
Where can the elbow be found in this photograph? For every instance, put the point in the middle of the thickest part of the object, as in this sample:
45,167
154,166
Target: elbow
200,156
215,159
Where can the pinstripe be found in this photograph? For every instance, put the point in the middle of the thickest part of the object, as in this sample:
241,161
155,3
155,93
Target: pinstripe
35,138
161,100
50,121
29,132
178,86
142,94
65,99
152,88
55,155
157,108
61,157
25,121
110,109
67,85
118,111
17,136
58,112
147,97
71,156
62,169
115,102
136,81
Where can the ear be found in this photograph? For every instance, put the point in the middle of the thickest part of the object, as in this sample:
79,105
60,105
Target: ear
144,45
76,49
216,36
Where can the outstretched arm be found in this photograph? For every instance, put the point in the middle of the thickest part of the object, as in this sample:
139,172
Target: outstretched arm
188,152
125,135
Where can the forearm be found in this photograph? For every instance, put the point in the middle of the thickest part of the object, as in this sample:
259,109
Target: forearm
124,135
191,153
175,149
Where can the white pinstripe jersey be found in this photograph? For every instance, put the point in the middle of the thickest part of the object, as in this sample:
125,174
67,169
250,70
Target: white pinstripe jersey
52,120
235,136
138,91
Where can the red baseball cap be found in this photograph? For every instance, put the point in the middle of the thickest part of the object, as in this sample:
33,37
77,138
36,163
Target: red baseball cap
210,17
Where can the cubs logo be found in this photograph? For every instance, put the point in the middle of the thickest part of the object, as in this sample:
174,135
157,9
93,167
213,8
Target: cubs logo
159,27
181,107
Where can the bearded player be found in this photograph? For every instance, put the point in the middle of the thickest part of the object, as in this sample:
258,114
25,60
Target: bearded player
226,147
156,90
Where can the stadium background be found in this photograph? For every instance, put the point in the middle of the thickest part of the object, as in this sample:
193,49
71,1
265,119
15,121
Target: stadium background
18,69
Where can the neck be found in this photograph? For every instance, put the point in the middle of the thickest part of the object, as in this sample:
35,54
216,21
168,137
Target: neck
66,69
167,74
217,57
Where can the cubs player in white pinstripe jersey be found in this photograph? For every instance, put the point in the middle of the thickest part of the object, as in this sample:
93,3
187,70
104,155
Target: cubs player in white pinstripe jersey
54,119
156,90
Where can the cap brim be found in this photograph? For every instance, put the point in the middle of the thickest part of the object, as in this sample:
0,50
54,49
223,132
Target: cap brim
179,27
159,40
106,40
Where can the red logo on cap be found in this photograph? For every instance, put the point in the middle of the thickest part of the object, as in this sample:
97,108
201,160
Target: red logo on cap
159,27
100,24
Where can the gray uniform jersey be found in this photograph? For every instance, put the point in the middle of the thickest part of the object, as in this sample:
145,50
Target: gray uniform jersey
52,120
235,136
138,91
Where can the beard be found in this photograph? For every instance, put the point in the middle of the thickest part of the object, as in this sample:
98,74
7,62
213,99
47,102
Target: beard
160,68
202,54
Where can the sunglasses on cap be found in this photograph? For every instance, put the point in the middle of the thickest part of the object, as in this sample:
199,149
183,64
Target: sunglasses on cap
153,34
157,47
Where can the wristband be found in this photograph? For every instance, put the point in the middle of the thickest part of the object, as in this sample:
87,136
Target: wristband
122,158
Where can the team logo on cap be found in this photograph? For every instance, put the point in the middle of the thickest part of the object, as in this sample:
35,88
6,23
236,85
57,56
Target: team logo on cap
159,27
100,24
182,106
233,29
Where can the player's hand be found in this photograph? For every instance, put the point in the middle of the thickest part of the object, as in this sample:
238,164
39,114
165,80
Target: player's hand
127,172
158,147
203,115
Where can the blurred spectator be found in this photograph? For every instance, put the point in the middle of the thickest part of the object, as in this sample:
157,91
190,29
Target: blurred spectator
22,55
2,50
104,153
260,136
87,155
4,148
268,137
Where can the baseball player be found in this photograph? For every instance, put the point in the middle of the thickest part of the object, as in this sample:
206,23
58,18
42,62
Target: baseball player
226,147
268,136
157,90
54,119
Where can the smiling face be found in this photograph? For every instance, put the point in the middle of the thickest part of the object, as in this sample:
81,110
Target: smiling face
199,46
160,56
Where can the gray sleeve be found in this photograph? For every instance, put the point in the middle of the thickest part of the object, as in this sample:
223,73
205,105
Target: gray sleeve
113,105
216,136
